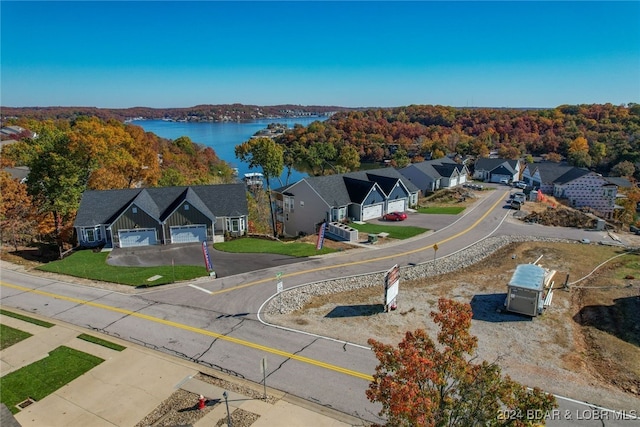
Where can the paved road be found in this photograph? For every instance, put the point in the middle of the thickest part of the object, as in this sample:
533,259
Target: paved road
217,324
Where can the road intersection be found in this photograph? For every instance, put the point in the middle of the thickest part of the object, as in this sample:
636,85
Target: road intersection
217,324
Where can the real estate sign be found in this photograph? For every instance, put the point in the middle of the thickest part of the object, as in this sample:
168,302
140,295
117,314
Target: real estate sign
391,287
207,257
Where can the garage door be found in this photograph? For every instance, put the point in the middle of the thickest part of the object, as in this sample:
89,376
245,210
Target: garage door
188,234
137,237
396,206
372,212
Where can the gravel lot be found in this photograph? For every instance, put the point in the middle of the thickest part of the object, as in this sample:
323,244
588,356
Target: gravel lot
547,351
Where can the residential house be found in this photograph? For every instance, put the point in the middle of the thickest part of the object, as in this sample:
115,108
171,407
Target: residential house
432,175
302,206
16,132
496,170
542,175
164,215
579,186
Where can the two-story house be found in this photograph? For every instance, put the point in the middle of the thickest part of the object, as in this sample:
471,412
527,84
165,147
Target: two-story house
162,215
360,196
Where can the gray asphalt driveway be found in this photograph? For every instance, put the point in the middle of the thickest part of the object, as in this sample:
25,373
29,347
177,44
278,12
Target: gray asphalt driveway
224,263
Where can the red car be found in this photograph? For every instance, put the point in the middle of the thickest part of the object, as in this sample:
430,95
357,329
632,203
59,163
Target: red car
395,216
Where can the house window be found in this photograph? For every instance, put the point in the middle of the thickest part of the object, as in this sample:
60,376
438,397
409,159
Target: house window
289,204
134,210
301,203
93,235
186,207
233,225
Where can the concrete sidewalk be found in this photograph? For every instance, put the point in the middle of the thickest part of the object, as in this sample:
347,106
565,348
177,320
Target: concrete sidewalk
130,384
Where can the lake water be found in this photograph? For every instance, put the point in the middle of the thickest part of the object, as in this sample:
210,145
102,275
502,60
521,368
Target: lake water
224,136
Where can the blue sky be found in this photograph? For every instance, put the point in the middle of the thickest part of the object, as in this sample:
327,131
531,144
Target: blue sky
122,54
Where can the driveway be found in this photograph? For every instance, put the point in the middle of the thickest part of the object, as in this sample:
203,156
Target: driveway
224,263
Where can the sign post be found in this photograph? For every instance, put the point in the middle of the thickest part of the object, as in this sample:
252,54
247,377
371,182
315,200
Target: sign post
263,369
435,251
320,240
207,259
279,288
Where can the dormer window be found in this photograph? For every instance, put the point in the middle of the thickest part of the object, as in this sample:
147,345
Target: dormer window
186,207
134,210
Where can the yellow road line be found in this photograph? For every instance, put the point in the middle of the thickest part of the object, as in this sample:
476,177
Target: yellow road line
241,342
195,330
382,258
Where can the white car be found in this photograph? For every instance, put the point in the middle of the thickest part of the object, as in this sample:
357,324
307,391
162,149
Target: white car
520,184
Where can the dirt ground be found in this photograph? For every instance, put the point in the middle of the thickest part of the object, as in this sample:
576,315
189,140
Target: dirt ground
586,345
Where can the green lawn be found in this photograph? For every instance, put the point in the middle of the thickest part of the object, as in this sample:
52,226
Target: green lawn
251,245
100,341
395,231
26,318
10,336
41,378
92,265
441,210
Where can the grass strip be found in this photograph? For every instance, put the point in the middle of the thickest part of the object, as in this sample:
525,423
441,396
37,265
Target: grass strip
252,245
441,210
395,231
41,378
10,336
26,318
100,341
91,265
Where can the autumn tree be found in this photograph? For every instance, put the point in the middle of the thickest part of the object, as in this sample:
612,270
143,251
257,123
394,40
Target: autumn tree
629,203
17,225
624,168
319,157
349,158
57,178
578,153
265,154
424,383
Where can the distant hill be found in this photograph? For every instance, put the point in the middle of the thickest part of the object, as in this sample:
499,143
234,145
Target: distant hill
199,113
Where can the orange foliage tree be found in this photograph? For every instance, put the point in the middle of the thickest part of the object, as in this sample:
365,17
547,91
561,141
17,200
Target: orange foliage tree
423,383
17,225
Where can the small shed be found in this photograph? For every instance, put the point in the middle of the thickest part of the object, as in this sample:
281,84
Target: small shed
525,290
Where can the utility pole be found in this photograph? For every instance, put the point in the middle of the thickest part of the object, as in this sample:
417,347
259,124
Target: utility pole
226,401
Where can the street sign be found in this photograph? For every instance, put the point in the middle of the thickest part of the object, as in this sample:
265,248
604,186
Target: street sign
279,287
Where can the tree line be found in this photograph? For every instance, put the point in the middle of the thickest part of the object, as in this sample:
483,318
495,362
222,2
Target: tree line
597,136
211,113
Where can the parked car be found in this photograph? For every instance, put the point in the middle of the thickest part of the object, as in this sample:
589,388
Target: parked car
516,204
504,181
520,184
395,216
520,197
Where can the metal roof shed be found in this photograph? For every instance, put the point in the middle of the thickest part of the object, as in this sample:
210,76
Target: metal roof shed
525,290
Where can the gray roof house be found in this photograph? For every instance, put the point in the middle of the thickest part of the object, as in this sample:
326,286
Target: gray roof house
302,206
580,187
432,175
495,170
161,215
